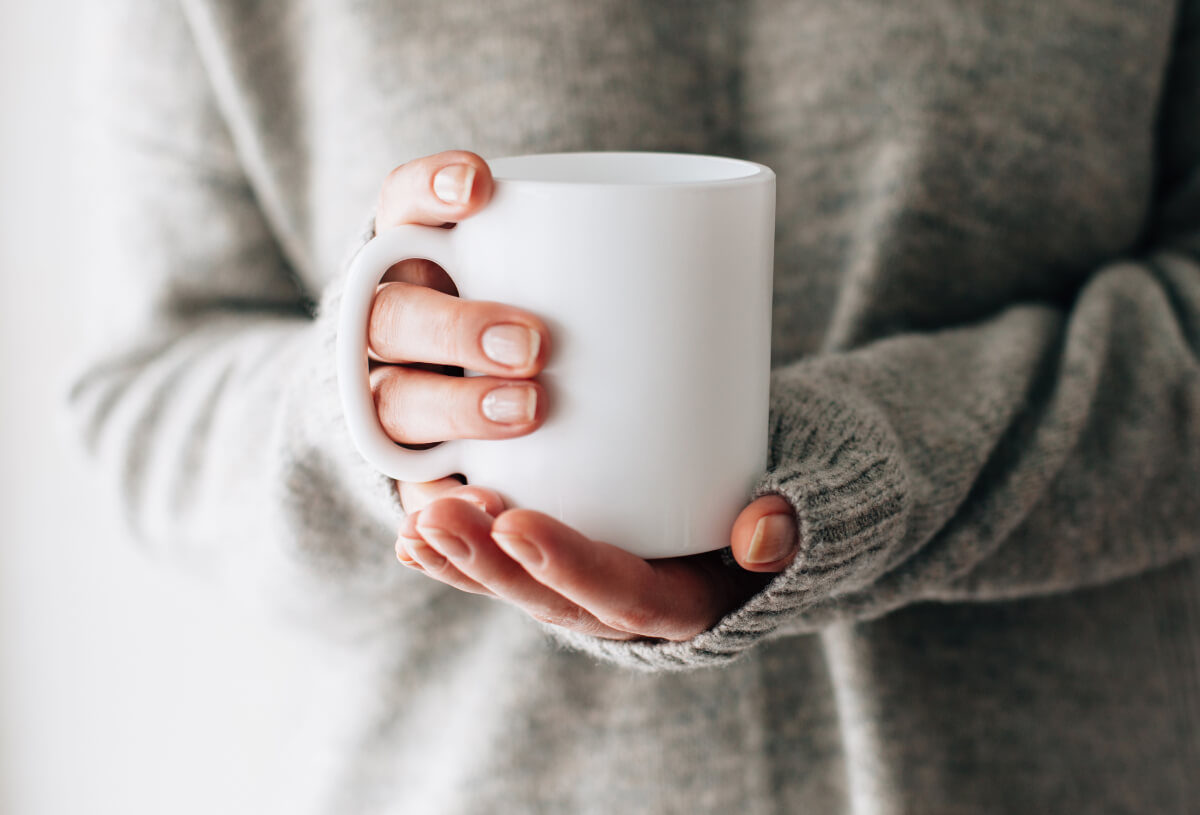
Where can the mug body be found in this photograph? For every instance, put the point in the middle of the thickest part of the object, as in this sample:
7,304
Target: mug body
653,273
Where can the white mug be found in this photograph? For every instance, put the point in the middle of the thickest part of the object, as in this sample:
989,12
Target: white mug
653,273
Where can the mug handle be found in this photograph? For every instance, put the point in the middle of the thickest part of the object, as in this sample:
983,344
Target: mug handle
373,260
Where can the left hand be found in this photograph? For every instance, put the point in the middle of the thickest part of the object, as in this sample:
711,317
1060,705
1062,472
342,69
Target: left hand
464,537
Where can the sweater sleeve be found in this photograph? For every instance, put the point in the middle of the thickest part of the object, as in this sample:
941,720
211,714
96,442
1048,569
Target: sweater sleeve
207,387
1042,450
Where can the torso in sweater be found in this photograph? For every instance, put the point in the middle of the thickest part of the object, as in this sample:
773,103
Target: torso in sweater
937,162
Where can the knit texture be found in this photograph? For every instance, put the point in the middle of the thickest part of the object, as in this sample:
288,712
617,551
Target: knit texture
985,403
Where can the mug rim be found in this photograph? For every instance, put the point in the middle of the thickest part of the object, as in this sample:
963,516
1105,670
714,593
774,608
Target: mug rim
504,170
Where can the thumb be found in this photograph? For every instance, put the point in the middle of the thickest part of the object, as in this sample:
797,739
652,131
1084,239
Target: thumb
764,537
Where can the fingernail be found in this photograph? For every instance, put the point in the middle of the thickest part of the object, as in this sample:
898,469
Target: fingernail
515,346
519,549
402,553
774,538
426,555
453,184
409,525
449,545
510,404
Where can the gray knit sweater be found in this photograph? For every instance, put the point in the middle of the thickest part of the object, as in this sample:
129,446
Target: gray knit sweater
985,395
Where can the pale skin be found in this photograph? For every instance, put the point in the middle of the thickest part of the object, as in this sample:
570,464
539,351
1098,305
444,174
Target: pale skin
463,535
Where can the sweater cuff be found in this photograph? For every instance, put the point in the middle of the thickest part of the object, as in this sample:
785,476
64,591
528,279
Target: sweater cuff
351,564
838,463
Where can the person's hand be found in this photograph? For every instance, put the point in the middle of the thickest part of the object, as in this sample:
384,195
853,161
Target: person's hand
420,333
464,537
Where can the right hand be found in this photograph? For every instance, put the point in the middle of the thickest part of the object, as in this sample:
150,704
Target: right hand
419,329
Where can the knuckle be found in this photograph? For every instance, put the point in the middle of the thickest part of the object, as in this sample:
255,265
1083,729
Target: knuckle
445,329
387,314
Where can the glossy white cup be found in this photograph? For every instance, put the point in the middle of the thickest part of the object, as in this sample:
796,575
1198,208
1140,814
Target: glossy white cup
653,273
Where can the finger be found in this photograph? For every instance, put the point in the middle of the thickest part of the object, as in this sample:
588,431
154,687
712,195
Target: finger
764,537
462,533
412,323
671,599
442,188
404,556
415,496
420,272
416,407
407,534
417,554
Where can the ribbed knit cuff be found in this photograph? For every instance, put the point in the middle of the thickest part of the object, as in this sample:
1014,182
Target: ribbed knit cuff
837,463
340,514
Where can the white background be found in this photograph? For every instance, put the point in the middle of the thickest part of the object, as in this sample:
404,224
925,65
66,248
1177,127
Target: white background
124,688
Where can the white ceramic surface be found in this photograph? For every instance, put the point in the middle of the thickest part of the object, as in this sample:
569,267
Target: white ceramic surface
653,272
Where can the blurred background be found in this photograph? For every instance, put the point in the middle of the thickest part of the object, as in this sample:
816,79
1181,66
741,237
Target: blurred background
124,687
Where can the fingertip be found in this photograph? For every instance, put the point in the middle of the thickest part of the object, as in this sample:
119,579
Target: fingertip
416,495
513,342
541,354
408,525
434,190
462,180
484,186
485,499
463,157
403,553
517,522
765,536
450,512
768,568
551,534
